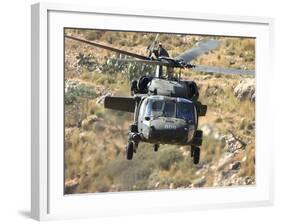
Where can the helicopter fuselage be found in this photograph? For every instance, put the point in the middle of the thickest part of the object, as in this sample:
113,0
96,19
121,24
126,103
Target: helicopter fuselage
165,111
159,86
166,120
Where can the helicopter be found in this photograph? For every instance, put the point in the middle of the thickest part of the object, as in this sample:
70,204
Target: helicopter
166,109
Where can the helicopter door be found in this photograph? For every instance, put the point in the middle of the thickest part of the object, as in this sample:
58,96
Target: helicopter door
141,114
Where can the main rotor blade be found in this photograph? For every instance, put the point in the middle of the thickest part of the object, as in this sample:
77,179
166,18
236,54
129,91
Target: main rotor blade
109,48
152,44
120,103
150,62
227,71
195,52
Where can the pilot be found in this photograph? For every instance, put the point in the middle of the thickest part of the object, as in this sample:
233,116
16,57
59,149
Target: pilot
158,52
162,52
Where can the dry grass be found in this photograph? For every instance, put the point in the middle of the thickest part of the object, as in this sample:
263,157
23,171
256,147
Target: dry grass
94,154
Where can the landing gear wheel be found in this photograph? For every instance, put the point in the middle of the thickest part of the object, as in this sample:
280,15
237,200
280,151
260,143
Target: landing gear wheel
130,150
192,151
134,128
156,147
134,86
196,155
198,138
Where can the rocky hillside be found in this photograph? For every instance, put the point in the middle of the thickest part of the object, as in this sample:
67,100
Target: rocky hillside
95,138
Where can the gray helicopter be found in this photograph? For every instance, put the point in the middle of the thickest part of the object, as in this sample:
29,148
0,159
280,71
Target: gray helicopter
166,109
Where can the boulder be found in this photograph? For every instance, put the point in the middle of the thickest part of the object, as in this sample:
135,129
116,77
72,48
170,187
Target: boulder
249,180
235,166
157,185
70,85
224,160
251,126
71,185
232,144
213,90
200,182
100,100
205,77
244,159
87,124
245,90
171,186
207,129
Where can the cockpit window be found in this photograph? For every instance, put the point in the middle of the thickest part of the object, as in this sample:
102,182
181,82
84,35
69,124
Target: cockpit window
169,108
154,108
185,110
157,105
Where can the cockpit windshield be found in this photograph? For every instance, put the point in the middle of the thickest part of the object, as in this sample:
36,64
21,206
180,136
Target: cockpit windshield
185,110
158,107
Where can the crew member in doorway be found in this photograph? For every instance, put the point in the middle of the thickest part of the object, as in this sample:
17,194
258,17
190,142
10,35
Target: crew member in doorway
162,52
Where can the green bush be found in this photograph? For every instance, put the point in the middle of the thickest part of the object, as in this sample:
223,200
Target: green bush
169,157
182,182
85,91
93,34
79,91
132,175
69,98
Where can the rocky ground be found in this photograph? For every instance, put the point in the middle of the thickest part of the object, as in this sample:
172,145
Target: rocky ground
100,139
95,138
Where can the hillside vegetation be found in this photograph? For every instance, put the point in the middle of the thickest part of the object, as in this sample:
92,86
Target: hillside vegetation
95,138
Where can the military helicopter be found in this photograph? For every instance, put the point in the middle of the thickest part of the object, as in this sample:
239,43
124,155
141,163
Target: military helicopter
166,109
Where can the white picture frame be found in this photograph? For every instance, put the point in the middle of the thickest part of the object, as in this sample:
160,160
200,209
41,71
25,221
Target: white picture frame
48,201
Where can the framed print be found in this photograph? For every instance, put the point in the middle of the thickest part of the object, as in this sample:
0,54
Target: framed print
151,110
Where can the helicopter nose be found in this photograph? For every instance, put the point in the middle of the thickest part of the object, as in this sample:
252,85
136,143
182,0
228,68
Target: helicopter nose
169,132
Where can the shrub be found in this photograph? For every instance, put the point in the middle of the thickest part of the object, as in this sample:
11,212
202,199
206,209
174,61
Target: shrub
69,98
169,157
134,174
93,34
182,182
79,91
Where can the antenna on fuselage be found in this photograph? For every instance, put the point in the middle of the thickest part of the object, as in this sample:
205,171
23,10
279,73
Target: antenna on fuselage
159,71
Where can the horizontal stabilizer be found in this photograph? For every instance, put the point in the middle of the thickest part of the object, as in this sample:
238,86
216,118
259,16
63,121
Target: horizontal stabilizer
120,103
